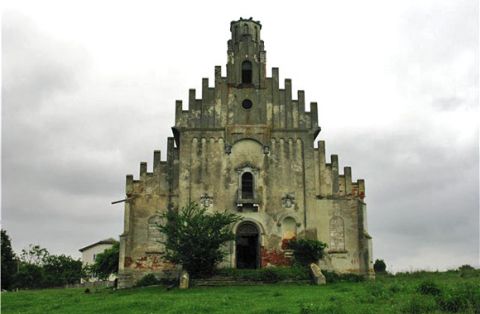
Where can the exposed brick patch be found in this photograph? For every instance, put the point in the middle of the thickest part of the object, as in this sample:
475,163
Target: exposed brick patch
362,195
152,262
274,257
286,243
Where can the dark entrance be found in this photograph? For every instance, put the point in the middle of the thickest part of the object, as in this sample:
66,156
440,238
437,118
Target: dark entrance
247,246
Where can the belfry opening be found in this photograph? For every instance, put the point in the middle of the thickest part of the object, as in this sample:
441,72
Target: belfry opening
246,72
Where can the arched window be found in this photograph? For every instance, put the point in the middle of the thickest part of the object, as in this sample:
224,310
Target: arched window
247,72
245,28
247,185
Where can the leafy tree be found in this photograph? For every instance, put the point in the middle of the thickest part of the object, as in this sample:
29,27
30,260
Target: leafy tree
9,261
39,269
306,251
106,263
194,237
60,270
29,276
379,266
34,255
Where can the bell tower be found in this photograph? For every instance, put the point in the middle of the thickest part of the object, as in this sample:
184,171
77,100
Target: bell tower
246,55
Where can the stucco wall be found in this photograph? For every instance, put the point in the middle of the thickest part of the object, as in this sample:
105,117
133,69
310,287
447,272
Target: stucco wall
297,192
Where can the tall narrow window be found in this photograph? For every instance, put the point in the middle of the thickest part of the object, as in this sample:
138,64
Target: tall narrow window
247,185
247,72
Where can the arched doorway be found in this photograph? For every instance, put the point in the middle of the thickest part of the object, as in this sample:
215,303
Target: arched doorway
247,246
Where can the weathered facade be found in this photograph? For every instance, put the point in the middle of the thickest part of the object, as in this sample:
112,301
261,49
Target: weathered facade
247,146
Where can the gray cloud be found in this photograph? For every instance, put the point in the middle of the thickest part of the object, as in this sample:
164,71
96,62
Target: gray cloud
71,133
421,196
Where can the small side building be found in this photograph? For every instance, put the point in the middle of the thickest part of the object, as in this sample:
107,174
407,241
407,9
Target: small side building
90,252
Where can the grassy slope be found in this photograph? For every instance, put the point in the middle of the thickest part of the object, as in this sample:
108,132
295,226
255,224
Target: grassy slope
385,295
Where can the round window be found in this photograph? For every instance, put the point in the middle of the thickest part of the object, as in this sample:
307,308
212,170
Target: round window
247,104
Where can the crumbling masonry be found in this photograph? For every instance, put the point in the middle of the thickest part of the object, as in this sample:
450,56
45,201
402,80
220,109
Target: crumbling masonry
247,146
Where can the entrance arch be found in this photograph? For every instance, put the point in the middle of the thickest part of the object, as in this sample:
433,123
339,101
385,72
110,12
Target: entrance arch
247,246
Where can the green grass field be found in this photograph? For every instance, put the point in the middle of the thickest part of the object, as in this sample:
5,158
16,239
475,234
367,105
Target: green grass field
452,291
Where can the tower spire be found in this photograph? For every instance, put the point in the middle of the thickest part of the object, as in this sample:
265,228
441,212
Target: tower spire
246,55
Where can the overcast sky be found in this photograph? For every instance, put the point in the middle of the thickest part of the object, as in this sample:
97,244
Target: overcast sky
89,90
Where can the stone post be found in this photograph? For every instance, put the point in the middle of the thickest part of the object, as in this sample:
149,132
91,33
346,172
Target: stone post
184,280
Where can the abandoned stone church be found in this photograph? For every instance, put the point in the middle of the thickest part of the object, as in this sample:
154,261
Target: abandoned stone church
247,146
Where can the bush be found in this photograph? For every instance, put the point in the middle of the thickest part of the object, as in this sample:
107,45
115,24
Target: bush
195,237
465,297
39,269
106,263
273,274
306,251
452,303
61,270
332,277
396,287
465,267
379,266
269,275
378,290
429,287
148,280
29,276
418,305
467,271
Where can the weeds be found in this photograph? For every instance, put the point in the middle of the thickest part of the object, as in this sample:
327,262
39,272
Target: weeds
418,305
332,277
147,280
464,297
429,287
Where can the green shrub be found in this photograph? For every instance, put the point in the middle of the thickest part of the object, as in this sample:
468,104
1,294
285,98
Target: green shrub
467,271
418,305
148,280
106,263
429,287
379,266
461,298
60,270
306,251
194,238
452,303
29,276
273,274
396,287
465,267
291,273
378,290
39,269
269,275
332,277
